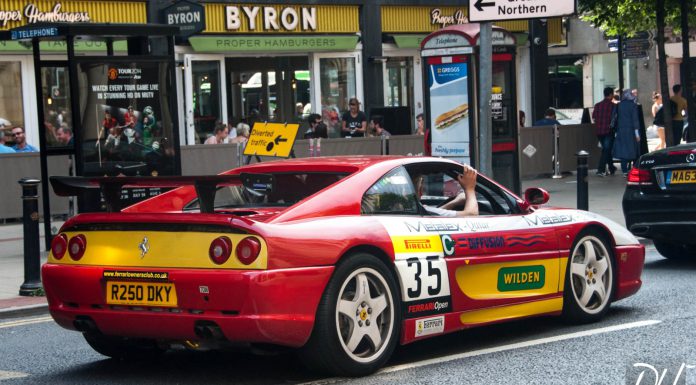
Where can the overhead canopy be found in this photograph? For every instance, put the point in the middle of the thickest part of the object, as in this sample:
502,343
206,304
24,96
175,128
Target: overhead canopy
461,38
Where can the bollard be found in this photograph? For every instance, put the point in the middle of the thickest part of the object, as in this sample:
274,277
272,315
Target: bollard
32,259
582,180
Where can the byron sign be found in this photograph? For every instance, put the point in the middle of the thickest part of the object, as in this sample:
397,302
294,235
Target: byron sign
189,17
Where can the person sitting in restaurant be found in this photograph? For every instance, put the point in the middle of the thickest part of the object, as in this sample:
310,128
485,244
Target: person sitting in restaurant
20,140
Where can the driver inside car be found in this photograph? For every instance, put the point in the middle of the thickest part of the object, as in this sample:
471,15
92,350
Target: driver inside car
467,180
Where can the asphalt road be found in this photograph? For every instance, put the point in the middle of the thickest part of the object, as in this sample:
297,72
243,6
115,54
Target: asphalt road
651,332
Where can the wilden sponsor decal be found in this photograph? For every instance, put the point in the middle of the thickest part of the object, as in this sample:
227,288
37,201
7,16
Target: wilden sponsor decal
428,326
521,278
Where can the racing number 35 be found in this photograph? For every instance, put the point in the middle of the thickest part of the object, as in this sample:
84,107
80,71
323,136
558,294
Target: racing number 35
431,271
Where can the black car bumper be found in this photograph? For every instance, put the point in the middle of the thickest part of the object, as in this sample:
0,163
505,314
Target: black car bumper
661,216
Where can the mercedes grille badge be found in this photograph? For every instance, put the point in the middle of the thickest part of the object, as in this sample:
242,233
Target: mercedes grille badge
144,247
690,157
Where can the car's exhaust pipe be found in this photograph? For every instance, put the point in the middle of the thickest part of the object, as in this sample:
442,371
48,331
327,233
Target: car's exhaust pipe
84,324
208,330
640,230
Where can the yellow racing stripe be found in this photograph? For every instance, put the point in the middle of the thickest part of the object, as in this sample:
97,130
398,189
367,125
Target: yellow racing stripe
164,249
513,311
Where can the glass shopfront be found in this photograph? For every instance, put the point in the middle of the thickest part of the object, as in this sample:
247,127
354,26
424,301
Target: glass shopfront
11,103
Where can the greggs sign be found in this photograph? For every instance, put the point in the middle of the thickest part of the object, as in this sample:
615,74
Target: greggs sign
33,14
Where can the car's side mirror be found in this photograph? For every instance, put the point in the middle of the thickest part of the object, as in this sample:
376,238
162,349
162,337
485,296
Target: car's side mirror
535,196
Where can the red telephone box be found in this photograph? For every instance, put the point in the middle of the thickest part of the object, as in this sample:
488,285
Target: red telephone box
451,98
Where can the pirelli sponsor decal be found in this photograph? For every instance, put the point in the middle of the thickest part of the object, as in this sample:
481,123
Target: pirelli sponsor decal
521,278
136,275
416,244
428,326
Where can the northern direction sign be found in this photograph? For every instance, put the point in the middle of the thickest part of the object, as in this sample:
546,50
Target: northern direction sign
497,10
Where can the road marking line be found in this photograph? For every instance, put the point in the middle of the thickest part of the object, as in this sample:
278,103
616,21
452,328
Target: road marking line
519,345
25,322
5,375
502,348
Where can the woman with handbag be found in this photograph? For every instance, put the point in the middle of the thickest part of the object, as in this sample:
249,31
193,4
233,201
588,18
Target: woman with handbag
627,141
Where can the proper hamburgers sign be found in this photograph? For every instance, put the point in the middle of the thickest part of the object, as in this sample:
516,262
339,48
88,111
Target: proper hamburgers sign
448,83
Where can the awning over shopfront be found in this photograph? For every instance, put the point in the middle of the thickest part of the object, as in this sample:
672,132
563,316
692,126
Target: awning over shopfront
61,47
412,41
287,43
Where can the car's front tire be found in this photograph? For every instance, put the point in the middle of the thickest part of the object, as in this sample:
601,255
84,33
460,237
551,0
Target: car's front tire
675,251
358,320
122,348
589,280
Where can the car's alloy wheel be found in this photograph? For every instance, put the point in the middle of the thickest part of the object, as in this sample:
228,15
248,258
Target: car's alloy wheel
364,316
589,280
358,319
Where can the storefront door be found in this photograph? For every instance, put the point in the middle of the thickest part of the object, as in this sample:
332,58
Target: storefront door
336,78
206,104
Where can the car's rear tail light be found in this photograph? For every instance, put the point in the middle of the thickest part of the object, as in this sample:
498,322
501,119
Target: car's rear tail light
59,245
639,177
248,250
220,250
77,246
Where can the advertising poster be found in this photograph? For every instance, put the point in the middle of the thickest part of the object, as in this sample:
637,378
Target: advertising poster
449,110
126,120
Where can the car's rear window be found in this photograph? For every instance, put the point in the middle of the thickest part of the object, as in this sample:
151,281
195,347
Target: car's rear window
288,189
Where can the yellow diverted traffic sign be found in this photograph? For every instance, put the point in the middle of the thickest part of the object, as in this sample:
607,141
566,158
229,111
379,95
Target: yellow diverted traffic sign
271,139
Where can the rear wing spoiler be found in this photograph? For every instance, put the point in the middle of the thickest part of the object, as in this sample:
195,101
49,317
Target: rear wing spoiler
111,187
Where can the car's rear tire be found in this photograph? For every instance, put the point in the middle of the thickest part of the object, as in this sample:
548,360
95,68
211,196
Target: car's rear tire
675,251
358,320
122,348
589,279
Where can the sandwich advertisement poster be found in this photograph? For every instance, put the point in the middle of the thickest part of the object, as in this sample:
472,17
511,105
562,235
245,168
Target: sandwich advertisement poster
449,110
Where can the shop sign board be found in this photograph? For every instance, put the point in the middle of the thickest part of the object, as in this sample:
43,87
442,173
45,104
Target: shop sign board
126,118
189,17
272,19
271,139
637,47
285,43
501,10
17,13
448,83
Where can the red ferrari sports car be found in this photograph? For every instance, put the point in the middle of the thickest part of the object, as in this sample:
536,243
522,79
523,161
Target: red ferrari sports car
337,257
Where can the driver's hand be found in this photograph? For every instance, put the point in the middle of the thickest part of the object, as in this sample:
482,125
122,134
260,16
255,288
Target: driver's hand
467,179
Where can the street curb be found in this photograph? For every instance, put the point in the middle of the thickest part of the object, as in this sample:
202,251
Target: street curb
24,311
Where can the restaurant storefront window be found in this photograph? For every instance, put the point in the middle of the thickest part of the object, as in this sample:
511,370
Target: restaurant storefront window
56,104
11,102
206,98
338,83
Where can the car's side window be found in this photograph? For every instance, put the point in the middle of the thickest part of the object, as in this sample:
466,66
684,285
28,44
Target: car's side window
392,194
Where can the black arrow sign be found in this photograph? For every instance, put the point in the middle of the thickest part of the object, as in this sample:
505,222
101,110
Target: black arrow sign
480,4
280,139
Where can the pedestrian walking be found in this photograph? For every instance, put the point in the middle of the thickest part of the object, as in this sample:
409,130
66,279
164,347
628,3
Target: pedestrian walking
657,105
602,116
627,140
678,114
